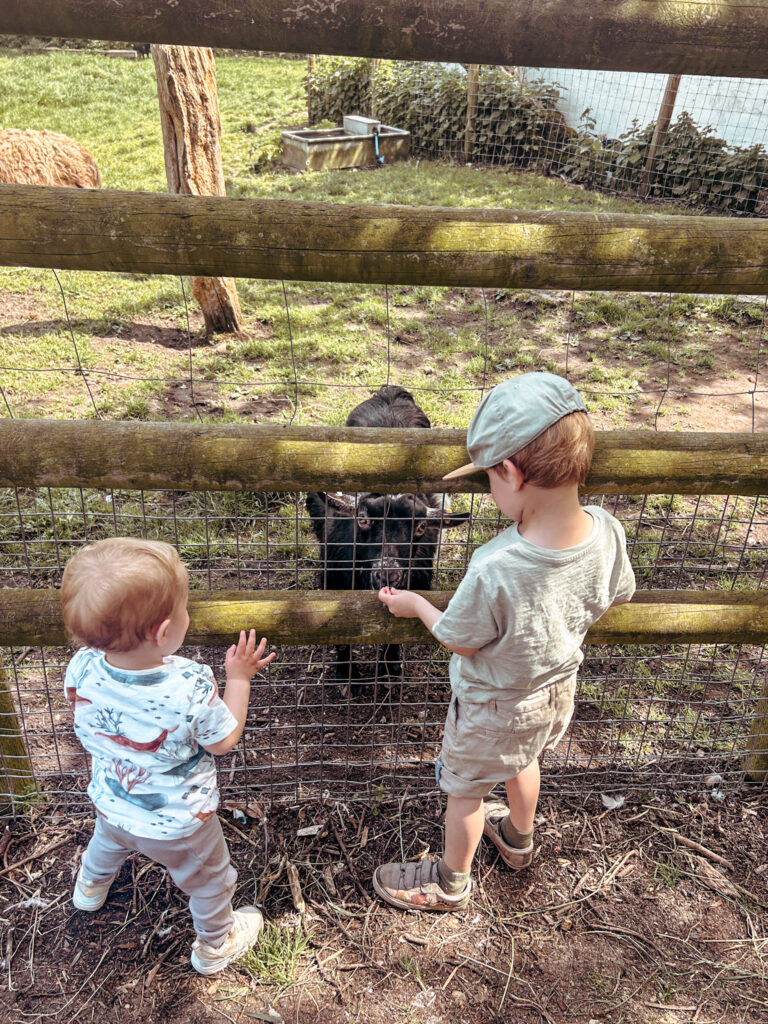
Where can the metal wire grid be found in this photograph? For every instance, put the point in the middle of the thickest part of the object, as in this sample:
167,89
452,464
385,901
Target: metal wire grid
645,716
688,713
591,127
667,716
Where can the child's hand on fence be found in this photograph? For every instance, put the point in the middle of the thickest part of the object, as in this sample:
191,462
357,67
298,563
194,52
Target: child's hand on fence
402,603
244,659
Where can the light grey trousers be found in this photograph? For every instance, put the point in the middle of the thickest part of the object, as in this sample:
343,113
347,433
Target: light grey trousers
199,864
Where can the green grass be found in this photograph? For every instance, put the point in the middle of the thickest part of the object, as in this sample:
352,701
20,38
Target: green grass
276,958
438,338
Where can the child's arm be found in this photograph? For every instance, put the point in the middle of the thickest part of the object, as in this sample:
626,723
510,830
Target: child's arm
242,662
404,604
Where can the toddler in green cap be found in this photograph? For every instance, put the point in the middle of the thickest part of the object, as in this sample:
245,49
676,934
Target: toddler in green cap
515,627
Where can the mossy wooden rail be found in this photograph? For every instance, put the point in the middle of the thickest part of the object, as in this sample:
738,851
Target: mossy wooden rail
33,617
190,456
681,36
82,229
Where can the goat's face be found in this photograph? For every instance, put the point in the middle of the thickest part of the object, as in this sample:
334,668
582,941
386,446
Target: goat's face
395,537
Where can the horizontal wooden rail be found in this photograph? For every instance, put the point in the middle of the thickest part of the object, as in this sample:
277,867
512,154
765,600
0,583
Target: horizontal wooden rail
695,37
33,617
82,229
228,457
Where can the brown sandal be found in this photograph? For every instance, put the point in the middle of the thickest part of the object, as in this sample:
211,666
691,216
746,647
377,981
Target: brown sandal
515,859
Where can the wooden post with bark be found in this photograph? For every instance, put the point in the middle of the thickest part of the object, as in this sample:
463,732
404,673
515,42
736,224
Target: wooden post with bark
729,37
129,455
34,617
473,85
141,232
189,112
16,776
659,133
311,72
755,763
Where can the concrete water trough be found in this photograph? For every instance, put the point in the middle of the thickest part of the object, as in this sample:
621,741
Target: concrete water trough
361,142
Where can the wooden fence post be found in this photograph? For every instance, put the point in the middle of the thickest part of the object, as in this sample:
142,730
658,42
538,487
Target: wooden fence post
16,776
311,71
755,763
473,85
659,133
374,67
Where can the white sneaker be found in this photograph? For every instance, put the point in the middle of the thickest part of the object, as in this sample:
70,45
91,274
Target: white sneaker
89,895
245,931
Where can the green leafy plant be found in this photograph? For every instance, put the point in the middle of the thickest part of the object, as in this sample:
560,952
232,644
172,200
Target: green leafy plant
516,124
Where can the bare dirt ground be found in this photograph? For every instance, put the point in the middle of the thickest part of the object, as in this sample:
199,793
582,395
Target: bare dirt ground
653,913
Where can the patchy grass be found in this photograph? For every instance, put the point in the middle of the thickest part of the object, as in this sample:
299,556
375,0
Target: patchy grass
140,336
277,956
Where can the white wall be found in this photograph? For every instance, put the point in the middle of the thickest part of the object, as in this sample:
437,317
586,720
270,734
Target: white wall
736,108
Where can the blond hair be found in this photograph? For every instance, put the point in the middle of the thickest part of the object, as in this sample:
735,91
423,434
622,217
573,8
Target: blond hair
114,593
561,455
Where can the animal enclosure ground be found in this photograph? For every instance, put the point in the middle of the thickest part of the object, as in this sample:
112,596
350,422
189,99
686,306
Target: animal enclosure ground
651,914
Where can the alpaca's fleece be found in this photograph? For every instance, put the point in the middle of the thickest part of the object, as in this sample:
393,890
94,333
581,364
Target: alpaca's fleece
45,158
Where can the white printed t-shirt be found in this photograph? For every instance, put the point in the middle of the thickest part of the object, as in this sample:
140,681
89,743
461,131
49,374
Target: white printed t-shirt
144,731
528,609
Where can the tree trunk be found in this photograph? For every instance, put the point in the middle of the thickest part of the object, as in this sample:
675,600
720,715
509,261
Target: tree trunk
189,112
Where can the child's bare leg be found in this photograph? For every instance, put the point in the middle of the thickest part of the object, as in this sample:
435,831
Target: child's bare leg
523,796
464,820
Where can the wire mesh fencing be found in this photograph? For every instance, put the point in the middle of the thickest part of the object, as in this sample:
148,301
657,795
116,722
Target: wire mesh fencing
648,718
661,717
693,140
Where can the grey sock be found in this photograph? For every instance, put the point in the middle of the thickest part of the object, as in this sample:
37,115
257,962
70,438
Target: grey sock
451,882
520,840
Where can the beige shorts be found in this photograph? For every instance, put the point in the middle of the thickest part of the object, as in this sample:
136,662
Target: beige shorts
485,744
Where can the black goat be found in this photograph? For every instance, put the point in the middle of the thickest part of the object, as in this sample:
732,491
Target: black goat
142,49
369,541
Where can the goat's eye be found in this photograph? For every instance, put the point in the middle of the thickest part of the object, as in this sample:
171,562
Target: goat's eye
421,527
363,522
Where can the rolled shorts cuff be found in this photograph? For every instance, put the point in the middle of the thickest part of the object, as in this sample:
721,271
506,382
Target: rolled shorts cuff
454,785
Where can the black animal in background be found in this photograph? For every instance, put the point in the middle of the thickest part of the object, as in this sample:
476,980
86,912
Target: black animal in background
368,541
142,49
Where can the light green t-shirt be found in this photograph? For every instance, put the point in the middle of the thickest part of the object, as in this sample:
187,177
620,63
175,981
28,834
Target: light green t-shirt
528,608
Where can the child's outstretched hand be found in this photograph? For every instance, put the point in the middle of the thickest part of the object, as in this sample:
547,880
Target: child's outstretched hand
244,659
402,603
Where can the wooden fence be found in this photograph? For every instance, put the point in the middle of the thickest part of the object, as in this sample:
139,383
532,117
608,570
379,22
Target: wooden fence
692,37
45,227
82,229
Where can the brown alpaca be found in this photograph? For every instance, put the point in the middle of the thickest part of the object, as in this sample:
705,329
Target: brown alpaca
45,158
